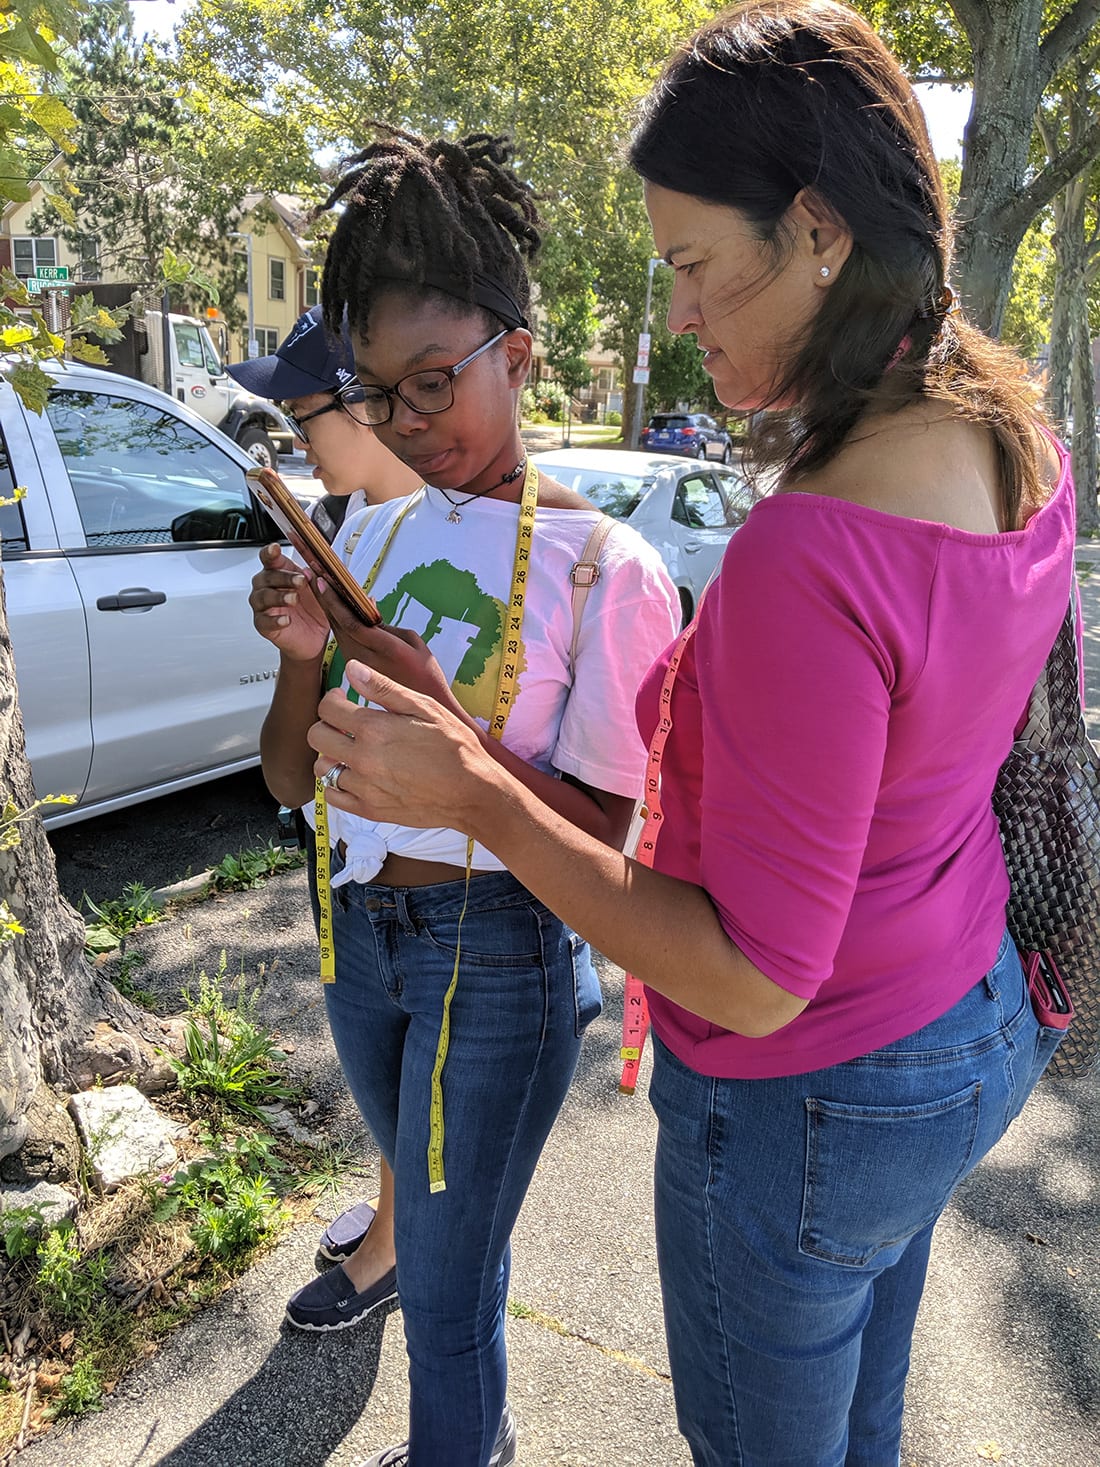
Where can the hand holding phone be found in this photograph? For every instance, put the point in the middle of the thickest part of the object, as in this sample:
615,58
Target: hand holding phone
319,555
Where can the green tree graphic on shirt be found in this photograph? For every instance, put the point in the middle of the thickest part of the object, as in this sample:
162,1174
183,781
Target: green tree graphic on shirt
450,594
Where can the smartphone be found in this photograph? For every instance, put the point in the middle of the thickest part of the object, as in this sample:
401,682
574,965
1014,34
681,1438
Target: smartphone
1049,996
297,526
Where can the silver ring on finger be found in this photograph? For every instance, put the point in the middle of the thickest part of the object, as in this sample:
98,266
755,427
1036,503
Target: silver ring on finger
331,779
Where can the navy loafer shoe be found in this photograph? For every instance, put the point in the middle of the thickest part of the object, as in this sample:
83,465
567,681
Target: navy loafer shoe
344,1234
330,1302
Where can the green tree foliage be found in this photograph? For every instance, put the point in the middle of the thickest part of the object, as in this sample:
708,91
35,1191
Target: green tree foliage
161,164
562,76
569,329
676,375
35,124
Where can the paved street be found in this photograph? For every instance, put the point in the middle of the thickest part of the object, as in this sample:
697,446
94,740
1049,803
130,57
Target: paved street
1006,1361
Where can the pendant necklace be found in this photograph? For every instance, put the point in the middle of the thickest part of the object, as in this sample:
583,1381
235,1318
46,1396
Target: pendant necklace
454,518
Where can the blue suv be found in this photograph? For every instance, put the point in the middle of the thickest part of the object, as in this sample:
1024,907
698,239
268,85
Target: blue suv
695,435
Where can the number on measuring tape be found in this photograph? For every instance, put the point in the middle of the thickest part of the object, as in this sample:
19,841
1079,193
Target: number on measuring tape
635,1006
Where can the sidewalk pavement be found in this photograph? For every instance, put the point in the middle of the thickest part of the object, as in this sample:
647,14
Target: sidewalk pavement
1006,1361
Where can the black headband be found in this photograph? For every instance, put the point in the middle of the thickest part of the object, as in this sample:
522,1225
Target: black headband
483,291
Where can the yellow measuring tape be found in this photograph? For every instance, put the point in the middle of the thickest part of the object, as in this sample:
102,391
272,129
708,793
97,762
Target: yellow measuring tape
505,697
320,809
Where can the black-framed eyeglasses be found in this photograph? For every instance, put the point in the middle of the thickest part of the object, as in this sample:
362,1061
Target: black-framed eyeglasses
343,400
431,391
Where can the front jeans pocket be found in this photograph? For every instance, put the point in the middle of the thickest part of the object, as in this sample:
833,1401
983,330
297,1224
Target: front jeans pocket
875,1175
587,997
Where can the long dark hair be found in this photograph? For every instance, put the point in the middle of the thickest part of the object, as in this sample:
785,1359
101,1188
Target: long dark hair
413,208
769,99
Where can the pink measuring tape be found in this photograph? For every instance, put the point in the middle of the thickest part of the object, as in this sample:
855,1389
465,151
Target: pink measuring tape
635,1005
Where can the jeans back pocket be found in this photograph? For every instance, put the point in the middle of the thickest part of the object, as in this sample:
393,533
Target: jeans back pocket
875,1175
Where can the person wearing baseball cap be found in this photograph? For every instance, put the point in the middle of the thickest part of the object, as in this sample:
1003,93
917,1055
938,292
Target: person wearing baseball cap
313,379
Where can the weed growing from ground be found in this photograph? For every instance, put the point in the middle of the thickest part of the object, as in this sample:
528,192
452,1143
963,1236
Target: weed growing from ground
81,1391
117,917
229,1059
250,868
241,1070
229,1196
69,1285
20,1229
127,962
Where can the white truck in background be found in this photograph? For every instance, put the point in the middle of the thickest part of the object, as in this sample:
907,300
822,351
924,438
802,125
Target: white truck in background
177,353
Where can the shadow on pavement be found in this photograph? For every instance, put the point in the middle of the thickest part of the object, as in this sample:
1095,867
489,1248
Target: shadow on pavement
1044,1203
264,1425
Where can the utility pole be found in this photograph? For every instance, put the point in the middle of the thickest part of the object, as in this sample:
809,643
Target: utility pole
253,344
641,370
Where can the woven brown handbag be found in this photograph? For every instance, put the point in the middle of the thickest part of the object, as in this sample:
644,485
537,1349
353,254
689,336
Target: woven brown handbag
1047,800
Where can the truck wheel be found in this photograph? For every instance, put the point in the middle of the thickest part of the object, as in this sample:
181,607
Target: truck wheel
259,446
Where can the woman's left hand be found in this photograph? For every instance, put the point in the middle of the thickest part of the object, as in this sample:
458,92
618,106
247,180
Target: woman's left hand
408,761
397,654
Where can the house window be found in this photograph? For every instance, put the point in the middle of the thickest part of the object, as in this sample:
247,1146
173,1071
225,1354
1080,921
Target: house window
28,254
312,287
605,379
276,279
267,339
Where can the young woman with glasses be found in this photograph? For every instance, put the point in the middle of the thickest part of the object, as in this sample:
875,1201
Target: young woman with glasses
459,1000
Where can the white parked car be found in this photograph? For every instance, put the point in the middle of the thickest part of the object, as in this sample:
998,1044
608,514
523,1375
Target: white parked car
686,510
126,572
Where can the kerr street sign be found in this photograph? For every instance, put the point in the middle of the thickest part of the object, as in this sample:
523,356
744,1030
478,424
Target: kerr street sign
52,272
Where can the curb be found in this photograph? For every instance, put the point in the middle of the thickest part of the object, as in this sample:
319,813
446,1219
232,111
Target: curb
190,889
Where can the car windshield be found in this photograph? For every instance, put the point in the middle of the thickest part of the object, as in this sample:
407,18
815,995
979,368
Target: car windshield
667,420
616,494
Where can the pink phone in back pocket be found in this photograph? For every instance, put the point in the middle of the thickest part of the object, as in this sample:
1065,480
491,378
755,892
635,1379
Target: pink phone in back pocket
1049,996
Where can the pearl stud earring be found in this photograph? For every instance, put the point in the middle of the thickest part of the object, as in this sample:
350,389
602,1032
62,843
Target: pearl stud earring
825,272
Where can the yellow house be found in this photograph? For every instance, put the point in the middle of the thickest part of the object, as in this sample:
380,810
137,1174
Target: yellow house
283,280
24,252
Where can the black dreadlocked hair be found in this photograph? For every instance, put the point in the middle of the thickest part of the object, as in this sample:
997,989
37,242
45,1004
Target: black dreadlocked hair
414,208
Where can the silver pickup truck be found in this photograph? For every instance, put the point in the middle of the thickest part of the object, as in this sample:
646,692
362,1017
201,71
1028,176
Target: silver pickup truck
126,570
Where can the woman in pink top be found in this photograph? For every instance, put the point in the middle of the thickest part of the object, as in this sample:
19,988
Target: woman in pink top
842,1024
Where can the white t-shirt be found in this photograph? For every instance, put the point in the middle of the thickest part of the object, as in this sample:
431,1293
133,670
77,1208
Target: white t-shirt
451,584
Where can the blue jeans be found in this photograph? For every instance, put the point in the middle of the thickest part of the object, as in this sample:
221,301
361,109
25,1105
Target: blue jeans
794,1218
526,992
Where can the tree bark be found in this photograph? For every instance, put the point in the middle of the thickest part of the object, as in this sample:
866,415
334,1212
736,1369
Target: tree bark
50,997
1059,371
1012,70
1070,301
1084,416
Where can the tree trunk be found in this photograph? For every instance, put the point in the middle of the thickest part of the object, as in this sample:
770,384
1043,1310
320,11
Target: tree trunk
1070,300
1014,63
630,392
50,998
1059,372
1007,88
1084,417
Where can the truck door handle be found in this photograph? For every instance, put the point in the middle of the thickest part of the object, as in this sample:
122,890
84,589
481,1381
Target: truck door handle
694,549
132,596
